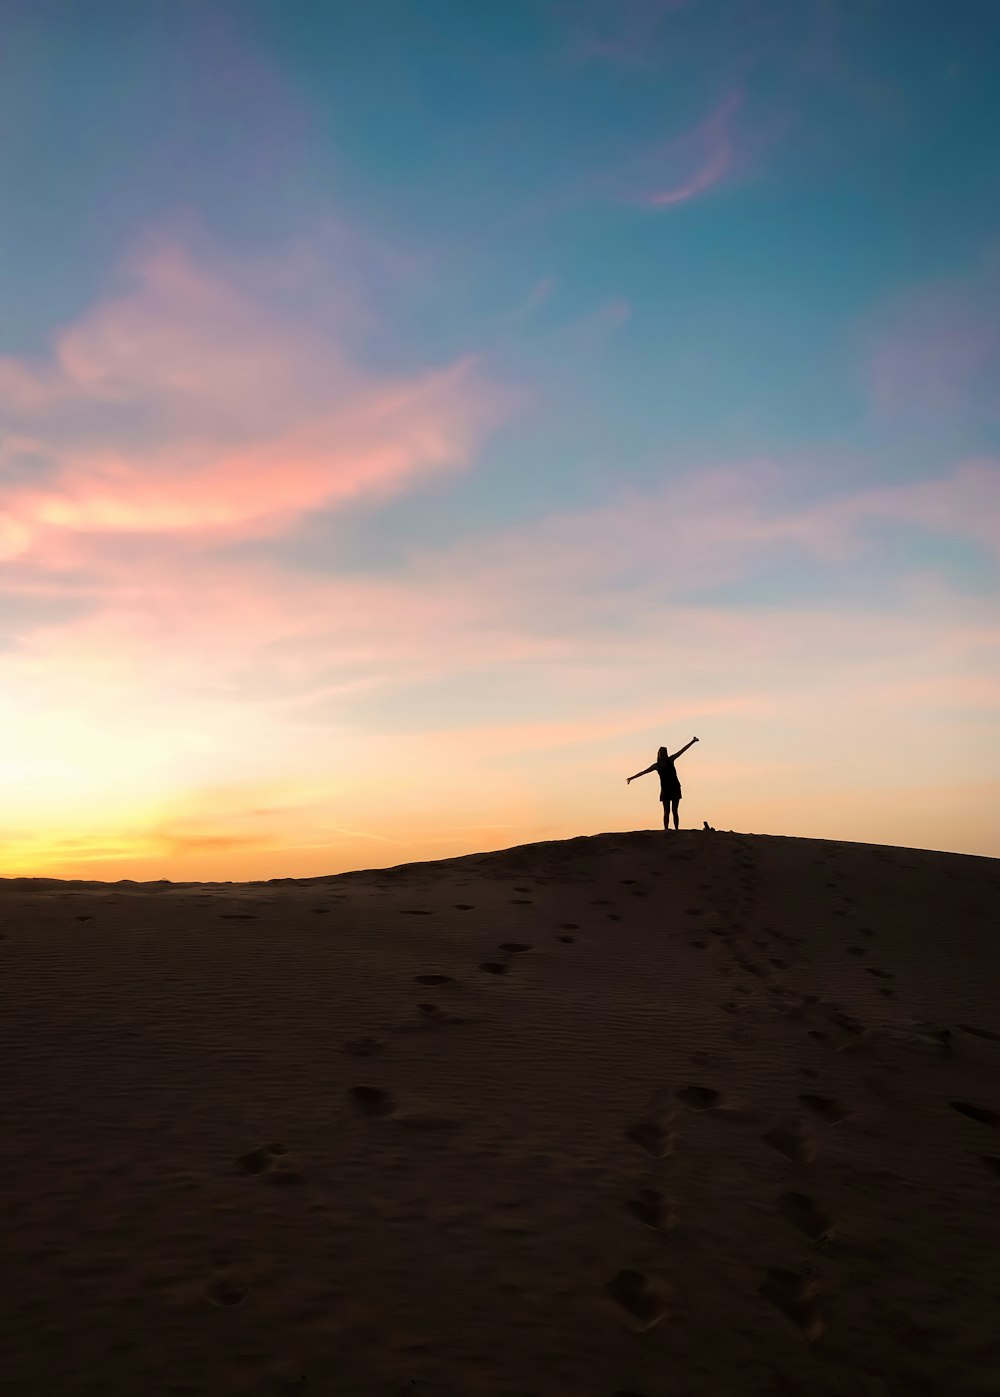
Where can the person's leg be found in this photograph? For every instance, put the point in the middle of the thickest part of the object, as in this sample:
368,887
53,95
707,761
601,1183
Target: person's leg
677,818
666,815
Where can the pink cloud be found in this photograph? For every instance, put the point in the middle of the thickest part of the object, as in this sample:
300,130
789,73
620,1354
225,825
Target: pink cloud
701,157
936,350
193,400
237,666
576,593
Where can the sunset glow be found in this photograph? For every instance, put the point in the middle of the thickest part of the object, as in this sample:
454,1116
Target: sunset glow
410,420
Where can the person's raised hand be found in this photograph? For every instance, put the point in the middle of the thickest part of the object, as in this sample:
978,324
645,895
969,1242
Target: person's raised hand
694,739
628,780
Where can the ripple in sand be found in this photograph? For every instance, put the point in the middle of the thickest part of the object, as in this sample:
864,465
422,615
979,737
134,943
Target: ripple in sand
364,1047
226,1290
982,1114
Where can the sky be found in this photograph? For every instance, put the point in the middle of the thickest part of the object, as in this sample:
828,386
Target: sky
412,416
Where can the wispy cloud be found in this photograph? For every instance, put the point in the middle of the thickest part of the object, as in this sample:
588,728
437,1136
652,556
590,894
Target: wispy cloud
147,659
192,401
935,350
698,159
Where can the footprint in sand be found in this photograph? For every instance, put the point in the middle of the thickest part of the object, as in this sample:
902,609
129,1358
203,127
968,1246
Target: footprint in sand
793,1141
515,947
415,911
653,1137
435,980
258,1161
699,1098
494,967
882,974
570,926
318,910
652,1209
826,1107
795,1296
982,1114
637,1296
613,917
464,906
805,1213
521,901
85,917
567,940
434,1014
372,1101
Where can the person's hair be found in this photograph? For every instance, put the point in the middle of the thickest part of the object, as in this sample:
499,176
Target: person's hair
662,754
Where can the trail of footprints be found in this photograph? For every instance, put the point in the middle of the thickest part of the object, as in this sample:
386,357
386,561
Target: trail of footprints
643,1300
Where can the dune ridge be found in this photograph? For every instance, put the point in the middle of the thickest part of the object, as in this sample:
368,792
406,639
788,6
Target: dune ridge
647,1113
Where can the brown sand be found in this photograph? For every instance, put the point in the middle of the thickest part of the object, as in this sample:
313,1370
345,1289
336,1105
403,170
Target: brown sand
651,1113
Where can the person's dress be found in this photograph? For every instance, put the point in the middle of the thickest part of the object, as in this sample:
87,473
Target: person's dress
670,786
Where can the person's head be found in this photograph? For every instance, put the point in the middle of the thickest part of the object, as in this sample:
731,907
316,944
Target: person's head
662,754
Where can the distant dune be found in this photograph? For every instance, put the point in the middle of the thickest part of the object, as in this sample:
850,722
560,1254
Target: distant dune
652,1113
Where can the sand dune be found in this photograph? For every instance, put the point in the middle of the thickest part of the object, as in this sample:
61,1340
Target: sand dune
647,1113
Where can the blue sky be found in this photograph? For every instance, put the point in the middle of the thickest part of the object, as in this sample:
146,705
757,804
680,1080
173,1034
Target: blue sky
568,326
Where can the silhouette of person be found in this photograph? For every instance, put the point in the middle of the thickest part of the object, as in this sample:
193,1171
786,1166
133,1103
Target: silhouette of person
670,786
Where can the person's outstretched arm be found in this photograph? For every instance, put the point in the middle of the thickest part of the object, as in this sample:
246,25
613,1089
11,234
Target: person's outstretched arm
683,749
641,773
